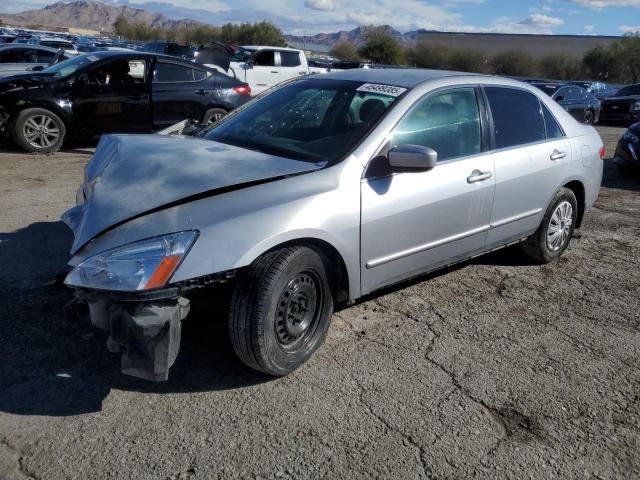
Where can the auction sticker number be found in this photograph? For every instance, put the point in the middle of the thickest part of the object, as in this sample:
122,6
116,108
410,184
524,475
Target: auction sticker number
381,89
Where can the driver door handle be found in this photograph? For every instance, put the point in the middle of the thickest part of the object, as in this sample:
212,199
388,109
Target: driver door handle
557,155
275,71
478,176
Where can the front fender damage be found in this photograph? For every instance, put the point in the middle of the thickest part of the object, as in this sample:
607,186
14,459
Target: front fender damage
146,334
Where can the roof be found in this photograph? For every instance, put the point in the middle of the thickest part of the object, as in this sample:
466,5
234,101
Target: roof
401,77
271,47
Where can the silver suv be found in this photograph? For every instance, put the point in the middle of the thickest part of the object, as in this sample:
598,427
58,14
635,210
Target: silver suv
315,194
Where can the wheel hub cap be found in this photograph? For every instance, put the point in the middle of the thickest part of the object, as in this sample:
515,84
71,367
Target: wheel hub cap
297,309
559,227
41,131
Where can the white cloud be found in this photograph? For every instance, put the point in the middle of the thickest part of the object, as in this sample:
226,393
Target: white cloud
322,5
538,20
589,28
629,29
600,4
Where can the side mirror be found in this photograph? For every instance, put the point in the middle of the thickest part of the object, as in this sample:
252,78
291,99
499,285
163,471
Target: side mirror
37,68
412,156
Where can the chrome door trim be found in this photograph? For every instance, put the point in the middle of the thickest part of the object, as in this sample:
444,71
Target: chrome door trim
515,218
427,246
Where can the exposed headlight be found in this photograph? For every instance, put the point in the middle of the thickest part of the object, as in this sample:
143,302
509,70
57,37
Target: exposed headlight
635,107
138,266
630,137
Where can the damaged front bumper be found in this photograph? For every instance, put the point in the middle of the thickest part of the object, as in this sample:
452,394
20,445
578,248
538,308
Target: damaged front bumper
145,332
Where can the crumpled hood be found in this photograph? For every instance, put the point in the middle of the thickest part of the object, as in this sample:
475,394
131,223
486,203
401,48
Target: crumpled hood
133,175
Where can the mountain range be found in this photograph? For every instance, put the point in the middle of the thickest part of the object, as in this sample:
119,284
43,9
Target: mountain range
99,16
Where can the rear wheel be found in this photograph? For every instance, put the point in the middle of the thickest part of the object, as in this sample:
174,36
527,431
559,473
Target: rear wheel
280,310
554,234
213,115
38,130
589,117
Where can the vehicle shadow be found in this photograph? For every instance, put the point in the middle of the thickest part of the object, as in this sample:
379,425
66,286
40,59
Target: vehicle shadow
55,364
620,178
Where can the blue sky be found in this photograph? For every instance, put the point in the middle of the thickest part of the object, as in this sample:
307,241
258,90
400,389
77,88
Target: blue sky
600,17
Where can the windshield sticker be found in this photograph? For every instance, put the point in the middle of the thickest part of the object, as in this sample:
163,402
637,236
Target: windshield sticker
381,89
93,58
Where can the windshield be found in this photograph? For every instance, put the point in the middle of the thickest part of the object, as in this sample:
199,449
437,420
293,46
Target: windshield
630,90
315,119
66,68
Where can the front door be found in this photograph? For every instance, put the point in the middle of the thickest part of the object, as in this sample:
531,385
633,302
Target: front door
180,92
263,72
416,221
113,96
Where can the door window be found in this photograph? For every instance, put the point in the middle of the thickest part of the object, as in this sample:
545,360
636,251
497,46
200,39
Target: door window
172,72
19,55
45,56
290,59
448,122
552,127
117,72
517,117
266,58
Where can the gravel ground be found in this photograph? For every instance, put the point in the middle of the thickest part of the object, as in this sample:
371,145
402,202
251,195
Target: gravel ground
493,369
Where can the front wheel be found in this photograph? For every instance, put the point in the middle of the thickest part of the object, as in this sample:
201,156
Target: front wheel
280,310
38,130
554,234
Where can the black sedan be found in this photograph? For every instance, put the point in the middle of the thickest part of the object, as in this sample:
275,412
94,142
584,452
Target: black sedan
112,92
582,105
628,150
624,106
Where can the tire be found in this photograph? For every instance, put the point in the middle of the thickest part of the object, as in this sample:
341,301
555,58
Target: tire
38,130
280,310
589,118
213,115
544,246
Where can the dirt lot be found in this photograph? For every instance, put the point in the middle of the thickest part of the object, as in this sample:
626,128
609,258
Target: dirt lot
494,369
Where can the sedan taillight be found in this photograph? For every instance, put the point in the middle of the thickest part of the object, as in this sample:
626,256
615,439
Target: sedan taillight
244,90
603,152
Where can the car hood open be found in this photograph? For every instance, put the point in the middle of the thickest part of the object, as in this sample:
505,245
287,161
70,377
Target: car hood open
133,175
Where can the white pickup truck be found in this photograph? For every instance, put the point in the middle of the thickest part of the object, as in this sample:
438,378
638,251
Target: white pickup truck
265,66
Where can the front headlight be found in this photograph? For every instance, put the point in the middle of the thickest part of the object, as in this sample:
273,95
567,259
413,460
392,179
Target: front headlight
138,266
636,107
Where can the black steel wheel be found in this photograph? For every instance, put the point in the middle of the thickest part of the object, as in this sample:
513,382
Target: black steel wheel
280,310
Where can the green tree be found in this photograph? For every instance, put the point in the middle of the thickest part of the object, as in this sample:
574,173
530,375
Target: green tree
467,60
559,66
600,63
627,53
381,47
344,50
426,55
516,63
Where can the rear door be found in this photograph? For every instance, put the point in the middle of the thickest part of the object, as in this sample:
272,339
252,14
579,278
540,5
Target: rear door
179,92
531,154
290,65
416,221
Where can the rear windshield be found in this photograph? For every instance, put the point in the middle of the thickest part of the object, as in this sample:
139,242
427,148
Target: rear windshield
315,120
547,88
630,90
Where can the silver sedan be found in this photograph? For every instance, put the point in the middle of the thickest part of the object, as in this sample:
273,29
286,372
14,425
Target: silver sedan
317,193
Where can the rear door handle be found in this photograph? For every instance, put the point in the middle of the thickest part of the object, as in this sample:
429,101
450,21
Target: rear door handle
557,155
275,71
202,92
478,176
